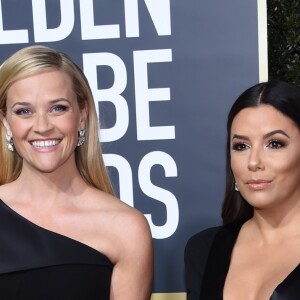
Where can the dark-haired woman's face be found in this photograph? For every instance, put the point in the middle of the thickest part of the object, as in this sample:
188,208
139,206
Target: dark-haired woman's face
265,157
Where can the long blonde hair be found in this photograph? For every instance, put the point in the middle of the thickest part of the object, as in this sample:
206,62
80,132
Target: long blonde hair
36,59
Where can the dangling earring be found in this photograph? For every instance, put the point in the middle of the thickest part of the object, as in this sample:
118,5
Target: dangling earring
236,187
9,142
81,137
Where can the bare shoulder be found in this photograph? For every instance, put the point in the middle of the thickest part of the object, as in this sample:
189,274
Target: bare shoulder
123,228
117,212
129,247
8,192
5,189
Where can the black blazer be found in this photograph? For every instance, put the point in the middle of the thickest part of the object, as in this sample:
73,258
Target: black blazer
207,259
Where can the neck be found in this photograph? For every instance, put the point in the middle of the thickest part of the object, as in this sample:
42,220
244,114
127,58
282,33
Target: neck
275,224
61,183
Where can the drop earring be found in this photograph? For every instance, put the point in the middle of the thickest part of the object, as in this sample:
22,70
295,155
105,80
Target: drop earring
236,187
9,142
81,137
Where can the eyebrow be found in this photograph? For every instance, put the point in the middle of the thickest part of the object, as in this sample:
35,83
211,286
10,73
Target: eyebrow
51,102
19,103
243,137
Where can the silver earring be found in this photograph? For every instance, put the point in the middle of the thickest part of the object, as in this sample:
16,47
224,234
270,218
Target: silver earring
9,142
236,187
81,137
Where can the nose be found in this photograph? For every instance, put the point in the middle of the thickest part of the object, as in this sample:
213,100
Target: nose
255,162
42,124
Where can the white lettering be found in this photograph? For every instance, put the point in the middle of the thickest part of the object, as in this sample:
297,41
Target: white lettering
125,176
143,95
12,36
90,31
162,195
159,12
113,94
41,32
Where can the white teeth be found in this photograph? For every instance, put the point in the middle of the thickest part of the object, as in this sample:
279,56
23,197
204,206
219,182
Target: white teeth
48,143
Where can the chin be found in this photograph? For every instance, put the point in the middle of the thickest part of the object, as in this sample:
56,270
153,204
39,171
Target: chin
261,202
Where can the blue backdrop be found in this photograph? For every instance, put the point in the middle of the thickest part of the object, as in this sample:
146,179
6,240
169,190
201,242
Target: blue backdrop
164,74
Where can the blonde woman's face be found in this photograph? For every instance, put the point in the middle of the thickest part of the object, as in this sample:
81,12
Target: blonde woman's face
44,119
265,157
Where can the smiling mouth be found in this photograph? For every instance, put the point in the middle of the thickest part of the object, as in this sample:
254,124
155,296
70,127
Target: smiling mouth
45,144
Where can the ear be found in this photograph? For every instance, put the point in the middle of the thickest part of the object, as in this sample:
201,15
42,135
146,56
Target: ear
83,117
5,123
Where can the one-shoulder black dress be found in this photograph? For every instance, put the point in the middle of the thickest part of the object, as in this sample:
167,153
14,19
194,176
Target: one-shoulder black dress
38,264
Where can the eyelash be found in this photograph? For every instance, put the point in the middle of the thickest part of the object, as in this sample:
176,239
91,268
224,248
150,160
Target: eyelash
59,108
272,144
276,144
240,146
23,111
27,111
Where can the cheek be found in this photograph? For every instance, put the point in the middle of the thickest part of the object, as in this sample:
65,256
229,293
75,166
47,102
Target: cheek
237,166
18,129
288,172
70,125
289,165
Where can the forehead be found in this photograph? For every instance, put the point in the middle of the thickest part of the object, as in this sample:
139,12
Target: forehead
48,83
261,119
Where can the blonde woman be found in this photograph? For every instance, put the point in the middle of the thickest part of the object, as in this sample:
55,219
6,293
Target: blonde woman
63,234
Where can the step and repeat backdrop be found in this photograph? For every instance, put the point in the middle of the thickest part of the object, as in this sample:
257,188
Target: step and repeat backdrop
164,74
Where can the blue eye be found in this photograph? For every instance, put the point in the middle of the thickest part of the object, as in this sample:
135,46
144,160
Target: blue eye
59,108
240,146
23,112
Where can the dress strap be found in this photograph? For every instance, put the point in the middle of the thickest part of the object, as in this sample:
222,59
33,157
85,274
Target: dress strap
25,245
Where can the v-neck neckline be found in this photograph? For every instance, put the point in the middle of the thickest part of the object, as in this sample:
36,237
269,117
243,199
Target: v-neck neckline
218,263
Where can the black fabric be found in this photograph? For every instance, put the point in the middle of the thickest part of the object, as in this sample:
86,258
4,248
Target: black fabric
195,258
36,263
218,262
207,260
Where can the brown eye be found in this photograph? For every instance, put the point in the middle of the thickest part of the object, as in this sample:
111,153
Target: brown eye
276,144
240,146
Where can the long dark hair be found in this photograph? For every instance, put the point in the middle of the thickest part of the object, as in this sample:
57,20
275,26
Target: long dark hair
283,96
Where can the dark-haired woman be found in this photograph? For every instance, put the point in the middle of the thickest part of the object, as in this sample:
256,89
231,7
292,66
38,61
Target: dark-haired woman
255,255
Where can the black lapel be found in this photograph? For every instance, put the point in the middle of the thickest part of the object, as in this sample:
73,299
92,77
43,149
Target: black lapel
218,262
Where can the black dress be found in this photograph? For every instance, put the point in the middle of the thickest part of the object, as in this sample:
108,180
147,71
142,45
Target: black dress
207,260
38,264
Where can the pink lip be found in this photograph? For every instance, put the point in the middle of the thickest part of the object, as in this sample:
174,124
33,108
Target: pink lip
258,184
